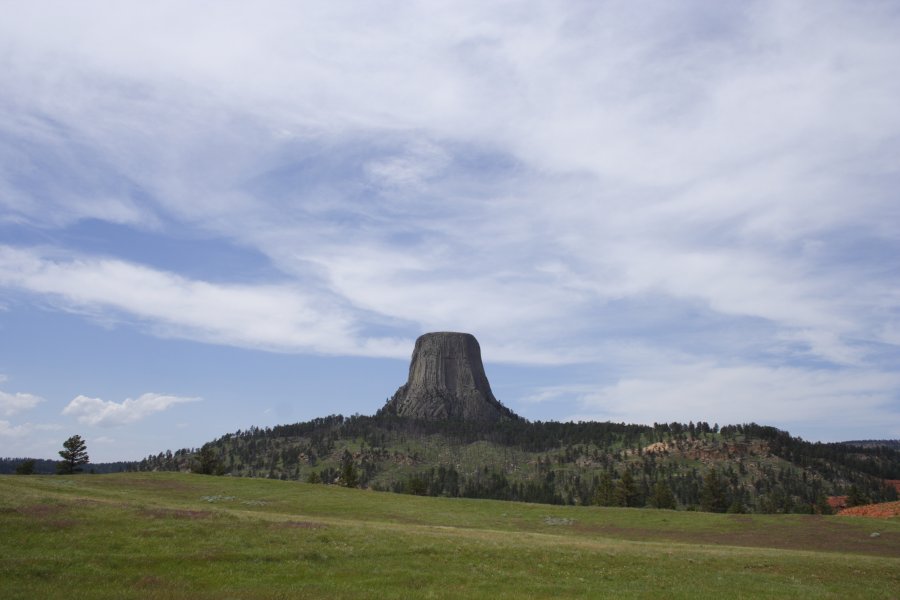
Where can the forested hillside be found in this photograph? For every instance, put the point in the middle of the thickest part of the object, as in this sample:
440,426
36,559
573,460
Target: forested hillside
738,468
41,466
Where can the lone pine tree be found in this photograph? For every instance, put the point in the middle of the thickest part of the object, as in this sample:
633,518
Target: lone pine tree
74,454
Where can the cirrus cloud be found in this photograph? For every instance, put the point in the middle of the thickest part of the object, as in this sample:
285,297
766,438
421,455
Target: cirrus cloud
713,180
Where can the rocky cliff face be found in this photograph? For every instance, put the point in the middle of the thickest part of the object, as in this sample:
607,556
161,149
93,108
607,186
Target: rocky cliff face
447,381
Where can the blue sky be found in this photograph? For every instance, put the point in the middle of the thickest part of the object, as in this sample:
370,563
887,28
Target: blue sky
220,215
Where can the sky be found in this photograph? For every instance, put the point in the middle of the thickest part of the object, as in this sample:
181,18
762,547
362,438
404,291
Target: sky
219,215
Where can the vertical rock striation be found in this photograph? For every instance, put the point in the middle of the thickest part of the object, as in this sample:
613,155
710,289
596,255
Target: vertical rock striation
447,381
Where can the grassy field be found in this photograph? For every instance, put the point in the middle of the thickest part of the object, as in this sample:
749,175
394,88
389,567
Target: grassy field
167,535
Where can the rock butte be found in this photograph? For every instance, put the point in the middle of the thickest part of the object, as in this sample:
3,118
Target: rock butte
447,381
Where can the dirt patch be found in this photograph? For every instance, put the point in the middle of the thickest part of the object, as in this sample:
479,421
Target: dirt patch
813,533
883,510
41,511
174,513
150,581
60,523
298,525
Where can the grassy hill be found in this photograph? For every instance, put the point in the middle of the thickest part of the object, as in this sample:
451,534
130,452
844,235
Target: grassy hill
170,535
757,469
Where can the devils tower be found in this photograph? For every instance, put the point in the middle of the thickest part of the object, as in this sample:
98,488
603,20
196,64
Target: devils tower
447,381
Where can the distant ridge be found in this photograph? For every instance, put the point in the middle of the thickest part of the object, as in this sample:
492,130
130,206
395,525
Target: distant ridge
895,444
447,381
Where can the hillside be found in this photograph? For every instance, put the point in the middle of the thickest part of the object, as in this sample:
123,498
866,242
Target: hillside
43,466
171,535
445,434
743,468
894,444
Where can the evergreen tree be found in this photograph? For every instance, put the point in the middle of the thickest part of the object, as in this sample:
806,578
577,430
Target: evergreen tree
207,461
605,494
349,476
822,506
662,496
855,497
74,455
714,494
26,467
626,491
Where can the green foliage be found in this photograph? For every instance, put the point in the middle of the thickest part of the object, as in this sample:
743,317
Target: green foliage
714,495
26,467
605,494
208,462
763,468
855,497
349,476
662,496
74,455
626,492
822,507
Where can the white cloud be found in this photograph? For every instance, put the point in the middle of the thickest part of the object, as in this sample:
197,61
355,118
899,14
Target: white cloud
274,317
11,404
834,401
94,411
9,430
562,181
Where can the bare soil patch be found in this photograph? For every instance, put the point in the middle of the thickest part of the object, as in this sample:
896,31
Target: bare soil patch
42,511
883,510
298,525
175,513
813,533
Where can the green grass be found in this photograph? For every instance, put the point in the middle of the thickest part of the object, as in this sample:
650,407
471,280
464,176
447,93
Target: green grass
192,536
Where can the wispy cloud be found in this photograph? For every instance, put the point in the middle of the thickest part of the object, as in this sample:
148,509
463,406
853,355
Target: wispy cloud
828,404
716,182
281,318
9,430
11,404
104,413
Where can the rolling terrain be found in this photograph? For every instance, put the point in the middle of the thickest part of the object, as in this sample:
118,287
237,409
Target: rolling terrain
171,535
757,469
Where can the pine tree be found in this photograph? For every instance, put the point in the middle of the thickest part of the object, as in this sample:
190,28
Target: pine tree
626,491
349,476
605,494
713,495
74,454
822,506
208,462
26,467
662,496
856,497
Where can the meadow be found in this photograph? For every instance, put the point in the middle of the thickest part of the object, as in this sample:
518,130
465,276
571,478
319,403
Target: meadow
172,535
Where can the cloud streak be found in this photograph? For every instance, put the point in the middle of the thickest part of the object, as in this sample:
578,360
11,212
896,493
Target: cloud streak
9,430
280,318
104,413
